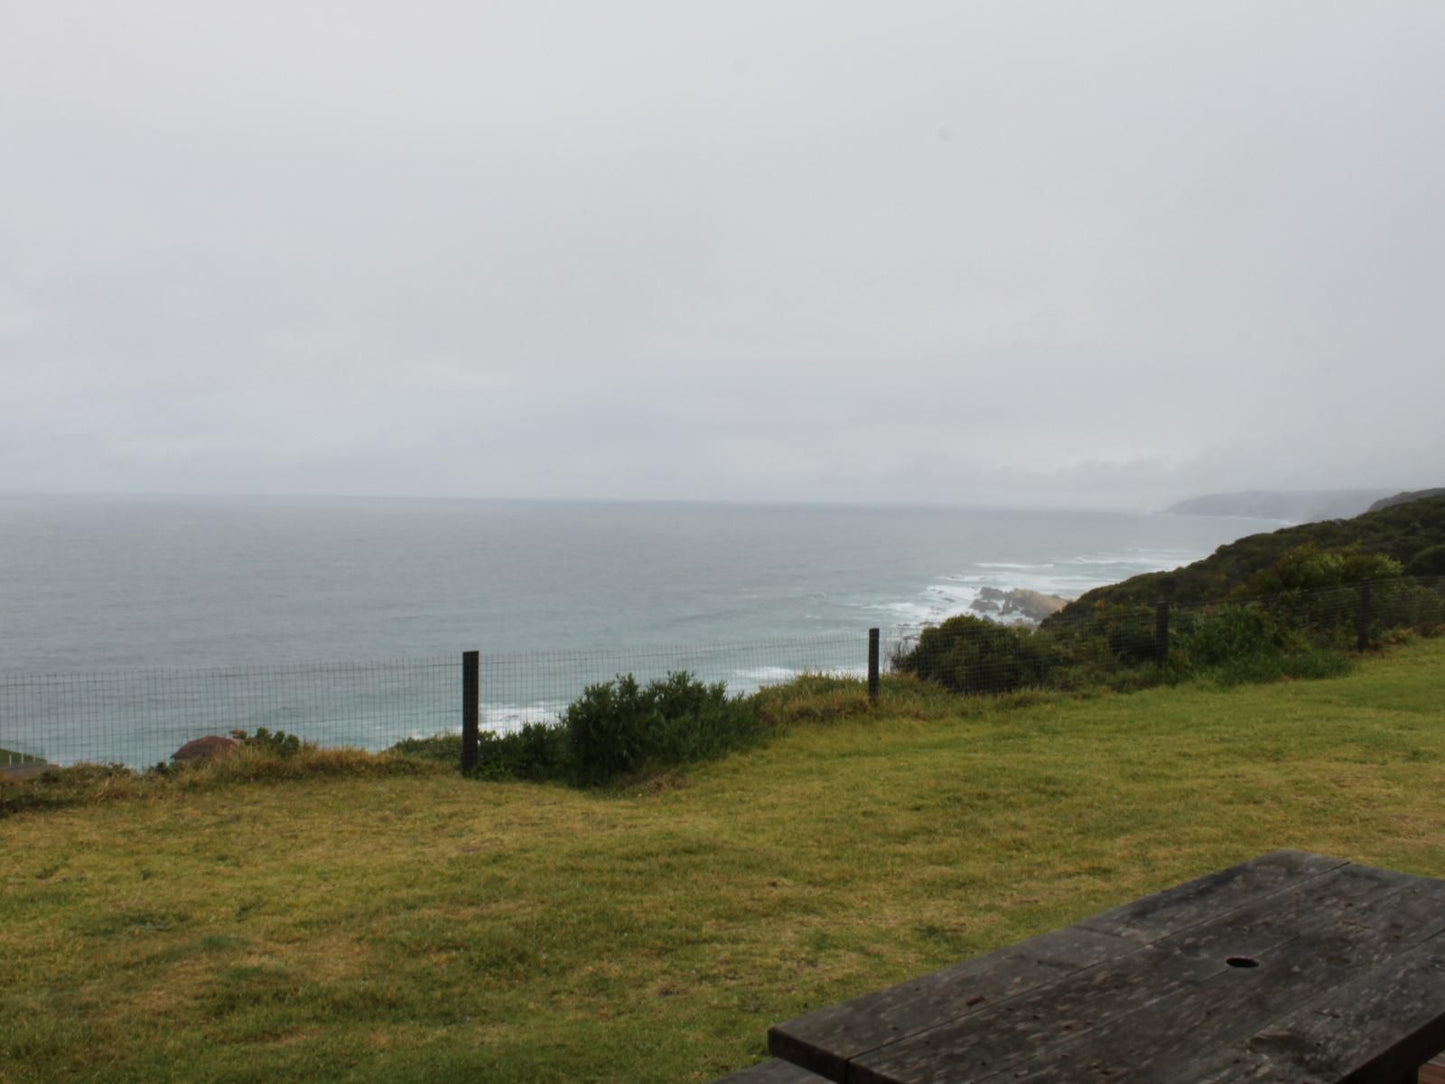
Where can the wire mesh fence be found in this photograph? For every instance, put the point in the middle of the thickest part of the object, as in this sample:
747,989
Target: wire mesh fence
142,717
537,687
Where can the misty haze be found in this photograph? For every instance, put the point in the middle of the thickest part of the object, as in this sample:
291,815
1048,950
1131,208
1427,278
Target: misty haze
1044,254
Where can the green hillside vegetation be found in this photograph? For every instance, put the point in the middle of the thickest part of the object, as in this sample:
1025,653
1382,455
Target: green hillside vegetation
1405,538
337,919
1293,603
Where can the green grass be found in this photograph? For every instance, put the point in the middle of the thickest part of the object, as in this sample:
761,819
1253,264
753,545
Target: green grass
364,924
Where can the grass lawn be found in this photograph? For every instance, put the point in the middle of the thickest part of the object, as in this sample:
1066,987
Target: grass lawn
432,928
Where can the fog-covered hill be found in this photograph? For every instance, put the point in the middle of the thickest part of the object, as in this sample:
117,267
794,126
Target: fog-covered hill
1294,506
1406,498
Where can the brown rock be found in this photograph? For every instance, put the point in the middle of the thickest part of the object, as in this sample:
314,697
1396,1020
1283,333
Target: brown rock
1035,605
203,748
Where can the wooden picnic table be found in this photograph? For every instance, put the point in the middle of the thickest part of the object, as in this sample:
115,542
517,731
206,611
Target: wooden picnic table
1292,967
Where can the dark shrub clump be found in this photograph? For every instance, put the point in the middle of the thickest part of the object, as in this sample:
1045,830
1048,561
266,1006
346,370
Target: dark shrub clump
971,655
618,728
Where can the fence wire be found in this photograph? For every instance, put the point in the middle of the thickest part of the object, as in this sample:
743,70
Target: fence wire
537,687
141,717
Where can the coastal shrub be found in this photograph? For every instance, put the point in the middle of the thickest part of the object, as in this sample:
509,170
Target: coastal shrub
1130,634
1330,616
1232,633
536,752
1098,647
619,728
1408,604
1430,561
1309,568
445,748
969,654
280,743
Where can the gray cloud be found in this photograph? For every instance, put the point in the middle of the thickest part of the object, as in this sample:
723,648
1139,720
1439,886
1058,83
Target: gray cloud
1105,253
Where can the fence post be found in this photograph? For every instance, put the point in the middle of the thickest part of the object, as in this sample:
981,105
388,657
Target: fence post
872,666
1364,616
1161,632
471,707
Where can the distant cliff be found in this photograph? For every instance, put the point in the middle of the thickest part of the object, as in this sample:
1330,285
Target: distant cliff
1295,506
1406,498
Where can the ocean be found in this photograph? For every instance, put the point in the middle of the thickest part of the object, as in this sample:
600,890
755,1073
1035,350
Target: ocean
108,585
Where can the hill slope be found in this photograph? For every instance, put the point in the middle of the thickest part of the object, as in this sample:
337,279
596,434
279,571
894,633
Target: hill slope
1412,533
1405,498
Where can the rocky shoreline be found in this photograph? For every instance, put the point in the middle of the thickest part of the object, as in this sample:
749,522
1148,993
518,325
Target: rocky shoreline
1020,602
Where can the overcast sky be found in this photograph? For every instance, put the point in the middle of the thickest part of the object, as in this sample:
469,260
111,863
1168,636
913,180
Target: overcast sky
1034,253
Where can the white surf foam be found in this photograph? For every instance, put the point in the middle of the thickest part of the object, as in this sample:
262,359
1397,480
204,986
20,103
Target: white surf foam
510,718
961,592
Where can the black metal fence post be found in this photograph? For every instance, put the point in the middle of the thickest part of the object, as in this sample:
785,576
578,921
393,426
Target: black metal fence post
873,666
471,707
1161,632
1364,617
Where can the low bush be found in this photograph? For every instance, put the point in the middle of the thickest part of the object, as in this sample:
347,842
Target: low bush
1306,567
445,748
1295,634
1430,561
1230,634
536,752
1405,604
615,729
618,728
1130,633
279,744
969,654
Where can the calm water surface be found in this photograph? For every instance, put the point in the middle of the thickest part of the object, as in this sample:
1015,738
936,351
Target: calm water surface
97,583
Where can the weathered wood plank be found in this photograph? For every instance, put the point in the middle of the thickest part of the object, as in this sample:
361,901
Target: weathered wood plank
772,1071
826,1040
1206,897
1163,1040
1379,1027
1325,912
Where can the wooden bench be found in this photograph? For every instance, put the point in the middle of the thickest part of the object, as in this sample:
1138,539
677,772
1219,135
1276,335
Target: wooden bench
1293,967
